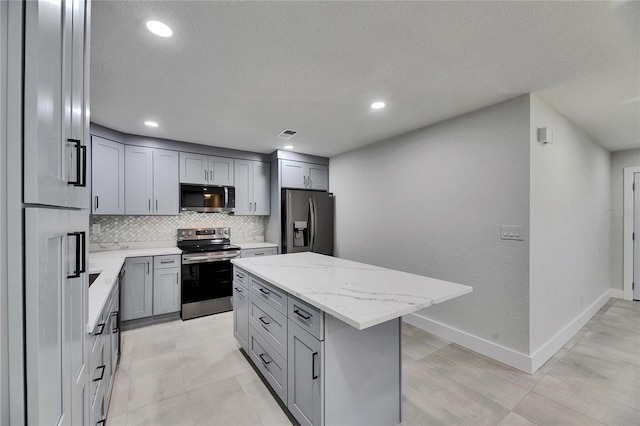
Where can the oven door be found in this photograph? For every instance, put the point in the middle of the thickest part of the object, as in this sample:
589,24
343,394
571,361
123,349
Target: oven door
206,287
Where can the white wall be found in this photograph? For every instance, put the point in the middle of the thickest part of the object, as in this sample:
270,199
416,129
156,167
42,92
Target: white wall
432,201
569,236
619,160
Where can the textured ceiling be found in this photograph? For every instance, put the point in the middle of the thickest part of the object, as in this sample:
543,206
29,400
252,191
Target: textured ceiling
237,73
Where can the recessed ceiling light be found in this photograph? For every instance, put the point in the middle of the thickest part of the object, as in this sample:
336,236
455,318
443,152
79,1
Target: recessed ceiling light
288,147
159,28
151,123
377,105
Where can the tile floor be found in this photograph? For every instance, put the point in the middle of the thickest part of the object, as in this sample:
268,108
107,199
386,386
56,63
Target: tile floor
192,373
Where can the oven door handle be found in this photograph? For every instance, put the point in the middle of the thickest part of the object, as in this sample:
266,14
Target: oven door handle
206,259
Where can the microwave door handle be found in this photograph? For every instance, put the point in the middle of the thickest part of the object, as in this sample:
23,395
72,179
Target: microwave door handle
226,197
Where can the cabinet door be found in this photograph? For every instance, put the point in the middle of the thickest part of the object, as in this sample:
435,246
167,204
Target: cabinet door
293,174
221,171
194,168
261,188
166,290
241,315
137,288
305,376
242,176
55,315
318,177
49,153
107,176
165,182
138,180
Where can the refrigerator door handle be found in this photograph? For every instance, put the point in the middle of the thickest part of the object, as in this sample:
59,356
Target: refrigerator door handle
312,218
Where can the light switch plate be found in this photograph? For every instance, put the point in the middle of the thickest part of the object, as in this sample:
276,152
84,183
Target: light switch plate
512,232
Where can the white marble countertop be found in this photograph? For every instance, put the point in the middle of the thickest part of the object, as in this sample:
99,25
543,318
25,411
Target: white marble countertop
108,265
255,245
361,295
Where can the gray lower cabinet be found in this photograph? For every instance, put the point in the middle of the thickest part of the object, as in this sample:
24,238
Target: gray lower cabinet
137,288
304,371
101,365
166,290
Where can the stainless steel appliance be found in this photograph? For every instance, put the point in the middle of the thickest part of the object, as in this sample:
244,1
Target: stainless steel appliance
207,273
207,198
307,221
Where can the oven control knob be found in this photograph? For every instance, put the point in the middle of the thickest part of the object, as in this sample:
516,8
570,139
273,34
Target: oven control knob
181,232
189,232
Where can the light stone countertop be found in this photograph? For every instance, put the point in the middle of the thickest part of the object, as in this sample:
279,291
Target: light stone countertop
108,265
358,294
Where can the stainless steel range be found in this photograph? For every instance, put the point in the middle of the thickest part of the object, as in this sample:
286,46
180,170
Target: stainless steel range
207,273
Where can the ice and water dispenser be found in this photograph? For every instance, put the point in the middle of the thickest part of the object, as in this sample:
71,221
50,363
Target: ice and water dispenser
300,234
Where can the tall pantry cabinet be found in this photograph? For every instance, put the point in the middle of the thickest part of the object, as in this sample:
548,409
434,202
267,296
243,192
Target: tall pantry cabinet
55,139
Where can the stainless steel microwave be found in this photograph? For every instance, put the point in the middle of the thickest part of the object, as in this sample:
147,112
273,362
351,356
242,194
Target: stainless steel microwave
207,198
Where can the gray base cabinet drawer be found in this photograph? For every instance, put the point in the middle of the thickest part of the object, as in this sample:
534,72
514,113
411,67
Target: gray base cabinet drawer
270,294
241,277
309,318
168,261
270,364
269,323
268,251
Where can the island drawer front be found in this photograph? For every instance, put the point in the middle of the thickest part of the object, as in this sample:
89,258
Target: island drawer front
168,261
267,251
270,294
270,364
269,323
240,276
309,318
97,367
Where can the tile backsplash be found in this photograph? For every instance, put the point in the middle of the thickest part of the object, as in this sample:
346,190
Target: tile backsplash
118,229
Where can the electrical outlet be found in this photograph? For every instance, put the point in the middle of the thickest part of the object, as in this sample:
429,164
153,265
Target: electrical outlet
512,232
95,229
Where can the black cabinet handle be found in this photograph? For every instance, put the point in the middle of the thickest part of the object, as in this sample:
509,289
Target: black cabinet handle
103,367
264,321
83,252
78,181
301,315
78,267
101,326
313,366
263,360
239,290
239,276
263,291
84,167
101,422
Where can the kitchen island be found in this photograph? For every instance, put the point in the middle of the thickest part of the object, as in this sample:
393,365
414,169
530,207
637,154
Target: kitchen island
325,332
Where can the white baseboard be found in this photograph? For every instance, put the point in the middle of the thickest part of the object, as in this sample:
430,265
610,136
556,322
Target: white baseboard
477,344
618,293
519,360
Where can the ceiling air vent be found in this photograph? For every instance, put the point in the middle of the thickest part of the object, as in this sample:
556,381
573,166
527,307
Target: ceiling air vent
286,134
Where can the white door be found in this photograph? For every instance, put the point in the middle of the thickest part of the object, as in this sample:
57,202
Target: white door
636,240
165,182
261,188
138,180
56,290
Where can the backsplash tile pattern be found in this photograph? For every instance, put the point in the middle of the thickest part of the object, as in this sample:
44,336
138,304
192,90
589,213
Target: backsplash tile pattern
163,228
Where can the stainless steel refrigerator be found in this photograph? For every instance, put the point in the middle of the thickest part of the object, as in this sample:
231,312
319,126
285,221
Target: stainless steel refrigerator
307,221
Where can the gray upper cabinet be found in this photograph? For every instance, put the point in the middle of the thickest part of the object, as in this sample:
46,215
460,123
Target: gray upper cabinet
107,176
202,169
151,181
165,182
55,131
138,178
252,183
137,288
299,175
